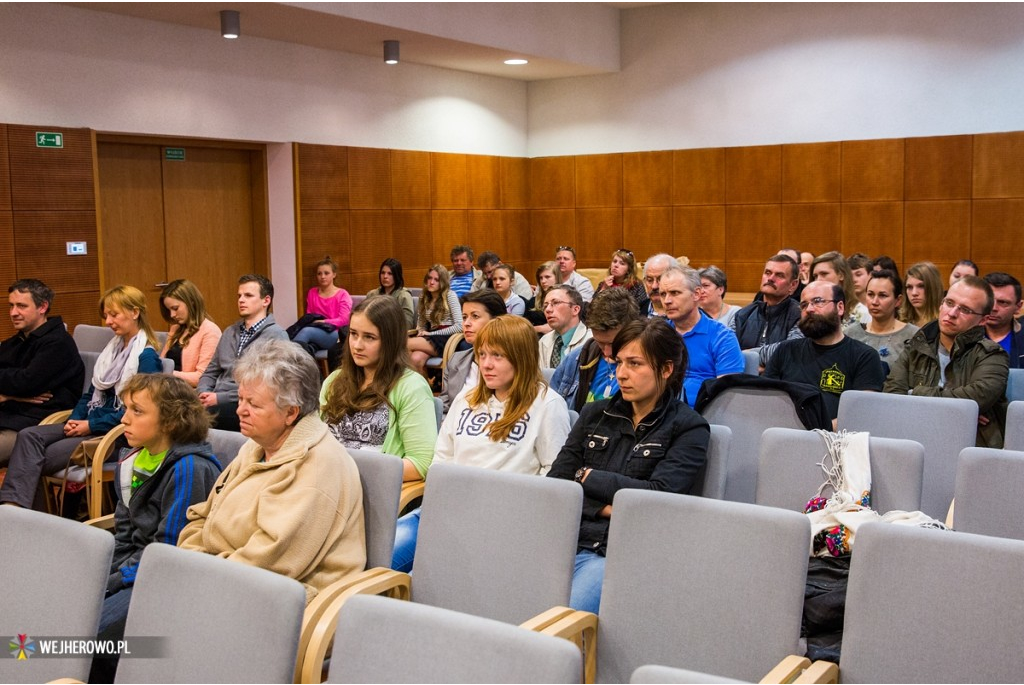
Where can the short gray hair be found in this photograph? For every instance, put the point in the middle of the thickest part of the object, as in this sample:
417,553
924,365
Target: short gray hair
691,277
716,276
286,370
668,259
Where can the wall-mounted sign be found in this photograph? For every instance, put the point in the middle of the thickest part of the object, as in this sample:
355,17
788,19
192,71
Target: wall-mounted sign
174,154
46,139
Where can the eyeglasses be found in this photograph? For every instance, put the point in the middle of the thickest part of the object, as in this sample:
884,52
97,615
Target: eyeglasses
551,304
950,304
815,302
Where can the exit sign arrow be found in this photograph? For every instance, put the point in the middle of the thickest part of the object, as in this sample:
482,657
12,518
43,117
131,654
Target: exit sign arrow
47,139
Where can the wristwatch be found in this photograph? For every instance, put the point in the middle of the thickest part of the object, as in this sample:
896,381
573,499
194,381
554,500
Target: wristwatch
579,474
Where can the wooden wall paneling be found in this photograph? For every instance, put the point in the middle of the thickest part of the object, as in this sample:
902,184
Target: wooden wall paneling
515,224
810,172
51,178
80,307
647,231
552,183
996,231
753,175
1015,269
999,165
598,235
753,233
647,179
370,238
39,242
482,182
411,232
936,231
698,233
550,228
362,282
939,168
514,182
327,232
486,232
8,266
369,178
410,179
873,170
449,228
811,227
448,181
599,180
322,176
874,228
698,177
259,185
5,171
744,277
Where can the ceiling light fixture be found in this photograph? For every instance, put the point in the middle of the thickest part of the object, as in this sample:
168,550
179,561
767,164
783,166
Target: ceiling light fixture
391,52
230,24
516,61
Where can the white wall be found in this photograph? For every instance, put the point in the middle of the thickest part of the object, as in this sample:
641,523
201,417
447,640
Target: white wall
709,75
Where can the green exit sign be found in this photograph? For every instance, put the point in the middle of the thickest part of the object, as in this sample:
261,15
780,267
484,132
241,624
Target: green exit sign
47,139
174,154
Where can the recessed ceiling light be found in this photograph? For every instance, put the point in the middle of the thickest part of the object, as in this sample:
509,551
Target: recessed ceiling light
516,61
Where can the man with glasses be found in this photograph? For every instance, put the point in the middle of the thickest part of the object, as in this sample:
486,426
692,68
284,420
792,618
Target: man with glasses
653,268
562,307
824,357
566,258
1001,325
951,357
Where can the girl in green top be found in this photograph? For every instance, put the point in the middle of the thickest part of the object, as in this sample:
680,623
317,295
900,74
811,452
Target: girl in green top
375,401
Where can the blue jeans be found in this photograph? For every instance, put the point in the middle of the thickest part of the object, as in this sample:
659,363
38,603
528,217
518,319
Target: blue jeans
320,339
405,541
587,578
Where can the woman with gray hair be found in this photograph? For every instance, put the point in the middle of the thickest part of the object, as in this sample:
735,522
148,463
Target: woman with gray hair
291,502
713,286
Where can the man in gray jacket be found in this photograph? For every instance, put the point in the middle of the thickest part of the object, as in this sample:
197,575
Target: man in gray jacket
218,390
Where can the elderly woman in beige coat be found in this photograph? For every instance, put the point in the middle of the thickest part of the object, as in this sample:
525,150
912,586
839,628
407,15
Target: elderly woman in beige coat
291,502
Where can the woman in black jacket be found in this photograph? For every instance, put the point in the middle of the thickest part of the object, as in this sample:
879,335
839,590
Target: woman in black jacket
643,437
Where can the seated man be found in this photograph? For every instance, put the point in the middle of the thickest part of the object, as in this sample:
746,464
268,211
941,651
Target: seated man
566,259
824,357
462,274
40,369
770,319
218,390
951,357
1001,325
587,374
486,263
712,349
653,268
562,307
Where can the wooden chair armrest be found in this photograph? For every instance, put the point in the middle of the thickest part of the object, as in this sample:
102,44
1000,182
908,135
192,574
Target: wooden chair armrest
56,417
541,621
389,583
411,489
105,522
787,670
949,514
66,681
96,474
820,672
580,628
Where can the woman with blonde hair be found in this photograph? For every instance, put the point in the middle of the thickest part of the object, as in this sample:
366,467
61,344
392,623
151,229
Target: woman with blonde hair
510,421
193,336
547,278
832,267
622,273
42,450
439,318
923,284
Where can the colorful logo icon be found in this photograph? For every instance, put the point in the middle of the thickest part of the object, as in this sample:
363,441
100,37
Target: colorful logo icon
22,647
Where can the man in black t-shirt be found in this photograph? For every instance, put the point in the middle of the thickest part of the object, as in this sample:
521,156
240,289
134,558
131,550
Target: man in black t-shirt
824,357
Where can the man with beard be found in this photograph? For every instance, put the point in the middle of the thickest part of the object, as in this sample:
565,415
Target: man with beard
824,357
770,319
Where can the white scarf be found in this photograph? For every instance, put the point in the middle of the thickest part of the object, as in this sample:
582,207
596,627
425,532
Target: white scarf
116,364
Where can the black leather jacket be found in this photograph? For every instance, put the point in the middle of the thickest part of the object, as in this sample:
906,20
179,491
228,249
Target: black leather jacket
667,451
758,324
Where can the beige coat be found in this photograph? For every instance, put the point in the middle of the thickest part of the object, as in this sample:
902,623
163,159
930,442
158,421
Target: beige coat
300,515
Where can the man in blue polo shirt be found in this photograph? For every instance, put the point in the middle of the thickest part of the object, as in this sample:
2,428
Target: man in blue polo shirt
712,349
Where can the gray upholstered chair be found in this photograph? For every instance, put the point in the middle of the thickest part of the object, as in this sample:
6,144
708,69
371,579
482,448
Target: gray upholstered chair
56,572
789,473
930,606
989,489
167,365
492,544
390,641
717,467
943,425
90,338
1015,427
696,583
89,361
221,621
1015,385
226,445
669,676
748,412
751,362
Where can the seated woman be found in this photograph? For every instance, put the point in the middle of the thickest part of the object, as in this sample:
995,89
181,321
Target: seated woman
331,303
547,278
392,283
923,285
622,274
714,285
501,280
437,320
883,331
509,421
461,371
832,267
291,502
644,437
193,337
375,401
42,450
168,467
